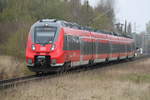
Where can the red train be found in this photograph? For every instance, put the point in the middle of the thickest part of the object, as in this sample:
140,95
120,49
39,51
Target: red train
57,45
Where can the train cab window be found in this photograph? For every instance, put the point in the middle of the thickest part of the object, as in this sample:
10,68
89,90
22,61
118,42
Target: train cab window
44,35
115,34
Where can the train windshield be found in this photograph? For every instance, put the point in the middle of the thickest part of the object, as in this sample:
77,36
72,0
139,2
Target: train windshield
44,35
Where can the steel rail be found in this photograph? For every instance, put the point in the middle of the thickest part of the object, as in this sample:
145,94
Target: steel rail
4,84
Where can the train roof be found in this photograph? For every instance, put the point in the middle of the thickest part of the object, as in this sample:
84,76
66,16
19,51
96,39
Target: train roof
80,27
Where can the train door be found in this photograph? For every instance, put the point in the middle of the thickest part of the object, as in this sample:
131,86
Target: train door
110,47
67,47
86,48
97,47
81,49
119,46
93,50
92,46
126,48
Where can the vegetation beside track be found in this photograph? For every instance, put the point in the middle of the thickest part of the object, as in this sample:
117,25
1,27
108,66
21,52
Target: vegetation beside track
11,67
123,81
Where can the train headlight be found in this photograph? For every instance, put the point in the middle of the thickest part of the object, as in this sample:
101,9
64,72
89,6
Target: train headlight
53,47
33,47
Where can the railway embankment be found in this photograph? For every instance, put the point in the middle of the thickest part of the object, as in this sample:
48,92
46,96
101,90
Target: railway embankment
11,67
121,81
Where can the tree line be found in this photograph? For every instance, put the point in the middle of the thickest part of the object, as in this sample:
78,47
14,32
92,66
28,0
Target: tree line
16,17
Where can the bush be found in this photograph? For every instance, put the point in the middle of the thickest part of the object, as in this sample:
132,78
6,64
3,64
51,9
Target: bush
16,43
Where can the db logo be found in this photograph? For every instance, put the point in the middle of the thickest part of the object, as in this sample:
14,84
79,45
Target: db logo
42,48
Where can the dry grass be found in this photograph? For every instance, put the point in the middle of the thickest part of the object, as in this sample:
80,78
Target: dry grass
11,67
109,83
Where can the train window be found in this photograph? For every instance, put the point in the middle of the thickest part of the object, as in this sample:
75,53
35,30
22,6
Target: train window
44,35
72,43
65,42
115,34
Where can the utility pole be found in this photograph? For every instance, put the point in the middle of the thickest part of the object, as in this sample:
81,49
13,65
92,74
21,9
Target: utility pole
125,28
87,3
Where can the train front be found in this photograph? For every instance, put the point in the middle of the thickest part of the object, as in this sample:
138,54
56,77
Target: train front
43,51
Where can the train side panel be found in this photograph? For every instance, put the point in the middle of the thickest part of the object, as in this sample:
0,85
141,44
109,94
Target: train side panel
77,46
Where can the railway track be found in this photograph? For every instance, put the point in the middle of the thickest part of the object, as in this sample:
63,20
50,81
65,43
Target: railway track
4,84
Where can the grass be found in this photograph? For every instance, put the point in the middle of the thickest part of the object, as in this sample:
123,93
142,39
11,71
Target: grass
125,81
137,78
11,67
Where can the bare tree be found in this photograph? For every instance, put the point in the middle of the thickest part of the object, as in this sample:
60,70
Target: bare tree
148,27
105,15
129,28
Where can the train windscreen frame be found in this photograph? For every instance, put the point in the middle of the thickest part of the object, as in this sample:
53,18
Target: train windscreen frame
44,34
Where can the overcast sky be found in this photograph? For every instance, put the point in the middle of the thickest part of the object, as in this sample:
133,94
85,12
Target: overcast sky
135,11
